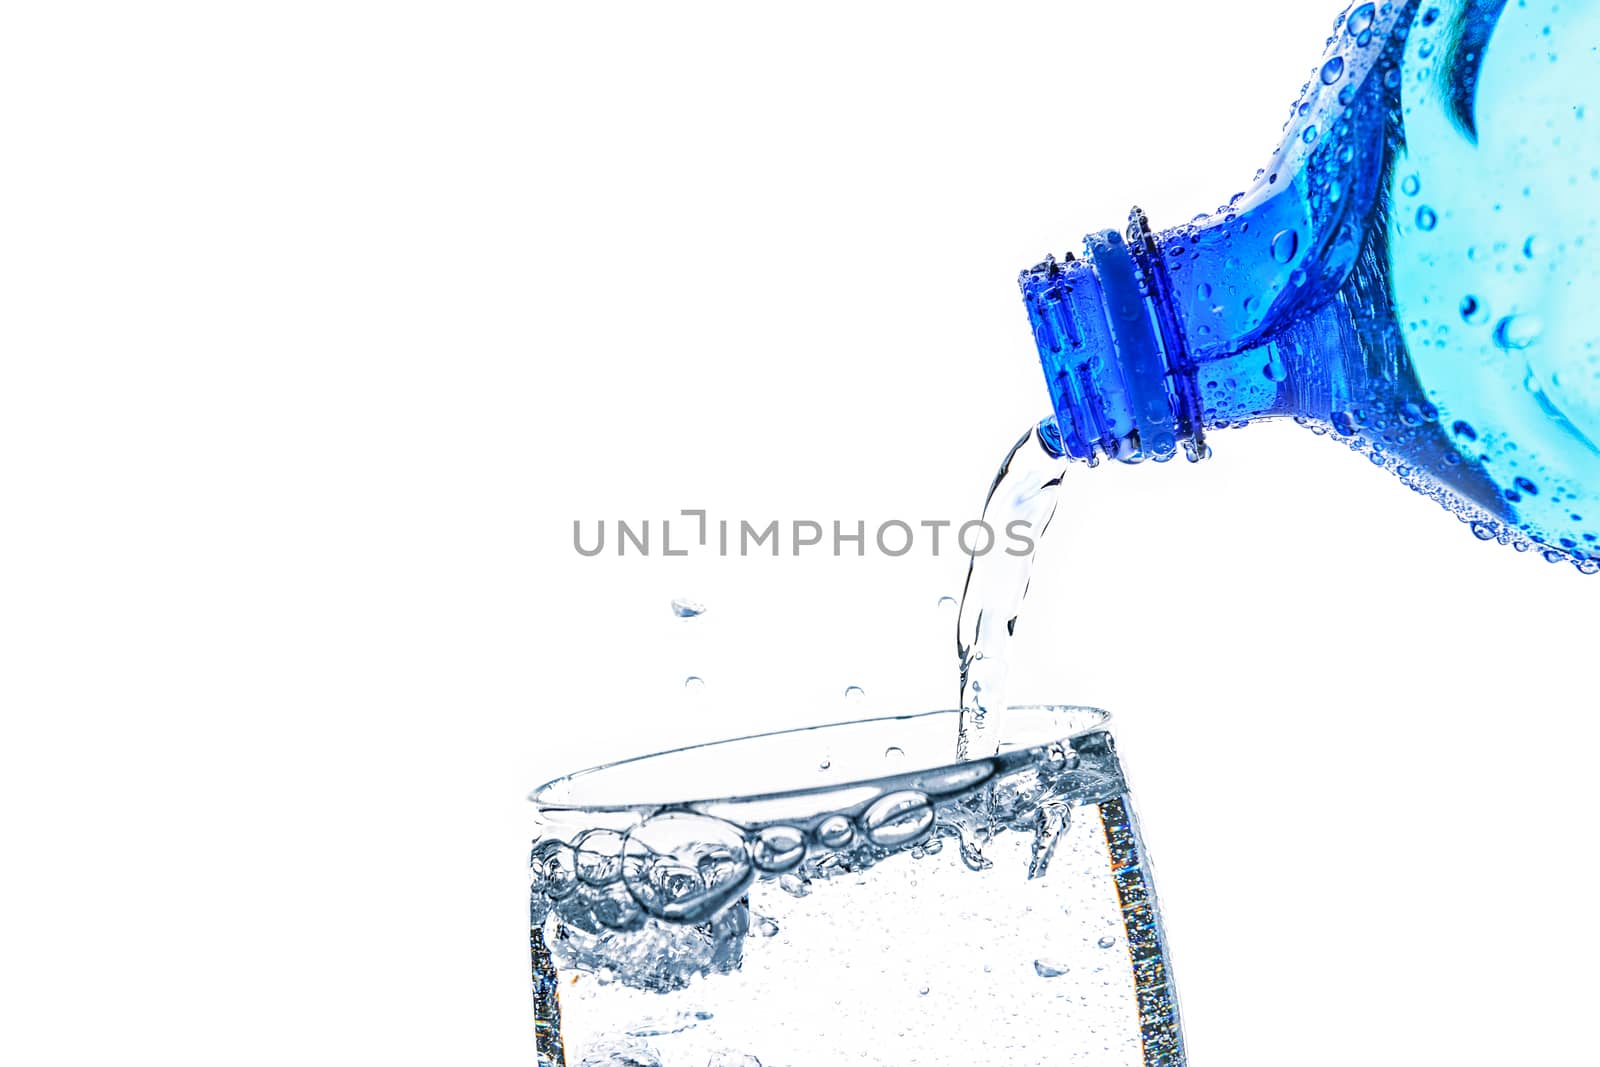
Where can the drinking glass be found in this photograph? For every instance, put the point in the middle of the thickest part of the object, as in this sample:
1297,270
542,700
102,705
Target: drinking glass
849,894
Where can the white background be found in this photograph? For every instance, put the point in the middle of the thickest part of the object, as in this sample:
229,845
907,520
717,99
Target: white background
325,321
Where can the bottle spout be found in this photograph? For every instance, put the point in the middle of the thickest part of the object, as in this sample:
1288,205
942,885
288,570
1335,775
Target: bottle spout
1111,357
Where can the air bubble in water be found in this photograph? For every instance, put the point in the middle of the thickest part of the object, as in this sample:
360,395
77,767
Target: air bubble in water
1516,332
687,609
685,868
1284,244
1049,968
729,1058
835,831
1426,219
778,848
1332,70
898,819
620,1054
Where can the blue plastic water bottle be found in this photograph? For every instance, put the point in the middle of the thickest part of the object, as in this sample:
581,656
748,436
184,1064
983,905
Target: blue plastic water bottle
1416,273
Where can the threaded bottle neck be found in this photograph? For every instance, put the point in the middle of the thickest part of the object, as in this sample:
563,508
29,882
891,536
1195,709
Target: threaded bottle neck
1111,353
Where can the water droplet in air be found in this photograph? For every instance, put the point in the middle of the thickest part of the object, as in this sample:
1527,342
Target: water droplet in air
1360,20
1473,310
687,609
694,681
825,764
947,602
1049,968
898,819
835,831
1483,531
1515,332
854,692
1284,245
922,992
1332,70
1426,219
894,752
1107,941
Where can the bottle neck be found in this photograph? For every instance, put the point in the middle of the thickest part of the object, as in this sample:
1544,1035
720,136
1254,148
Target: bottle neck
1135,373
1112,352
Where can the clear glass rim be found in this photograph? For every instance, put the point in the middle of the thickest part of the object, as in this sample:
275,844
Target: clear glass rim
571,792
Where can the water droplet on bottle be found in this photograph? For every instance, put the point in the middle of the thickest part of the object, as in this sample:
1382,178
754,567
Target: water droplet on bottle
1284,245
687,609
778,848
1516,332
835,831
1483,531
1360,20
1344,424
766,926
898,819
1347,95
1309,135
1530,247
1527,486
1391,78
1332,70
1430,16
854,692
1462,428
1473,310
694,681
1298,278
1049,968
1203,291
1274,371
1426,219
1107,941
